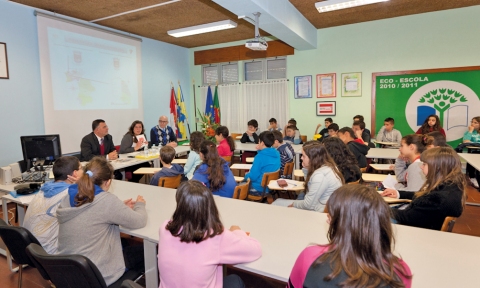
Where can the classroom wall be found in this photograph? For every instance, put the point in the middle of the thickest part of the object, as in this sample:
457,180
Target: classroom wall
431,40
21,109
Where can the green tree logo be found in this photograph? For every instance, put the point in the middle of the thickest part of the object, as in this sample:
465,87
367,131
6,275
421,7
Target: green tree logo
442,99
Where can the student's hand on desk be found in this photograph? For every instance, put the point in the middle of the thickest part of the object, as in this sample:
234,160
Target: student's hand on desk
392,166
129,202
290,206
140,199
172,144
234,227
113,155
389,192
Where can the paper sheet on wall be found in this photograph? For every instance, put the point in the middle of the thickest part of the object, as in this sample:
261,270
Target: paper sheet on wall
303,88
351,84
327,85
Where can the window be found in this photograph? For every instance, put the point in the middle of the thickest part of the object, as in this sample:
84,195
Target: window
210,74
266,69
277,68
254,71
230,73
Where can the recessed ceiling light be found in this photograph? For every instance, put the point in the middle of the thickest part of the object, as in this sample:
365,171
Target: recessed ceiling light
331,5
204,28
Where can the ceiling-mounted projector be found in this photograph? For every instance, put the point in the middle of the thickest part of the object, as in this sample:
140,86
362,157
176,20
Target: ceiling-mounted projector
258,43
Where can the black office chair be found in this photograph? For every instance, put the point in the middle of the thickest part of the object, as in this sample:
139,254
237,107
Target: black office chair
73,271
17,239
130,284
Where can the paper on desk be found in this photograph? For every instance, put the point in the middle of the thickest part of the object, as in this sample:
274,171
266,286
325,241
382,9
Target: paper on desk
389,182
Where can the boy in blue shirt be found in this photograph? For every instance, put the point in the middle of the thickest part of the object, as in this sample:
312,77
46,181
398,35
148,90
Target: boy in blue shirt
167,154
267,160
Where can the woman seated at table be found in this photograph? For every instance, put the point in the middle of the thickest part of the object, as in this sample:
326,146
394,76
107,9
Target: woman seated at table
89,220
442,195
134,140
193,245
360,248
214,171
343,158
322,178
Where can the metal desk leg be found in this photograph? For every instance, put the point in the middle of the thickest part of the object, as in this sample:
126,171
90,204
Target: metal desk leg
151,265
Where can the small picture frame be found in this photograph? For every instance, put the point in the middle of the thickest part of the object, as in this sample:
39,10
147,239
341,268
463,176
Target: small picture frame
3,61
303,87
326,85
326,108
352,84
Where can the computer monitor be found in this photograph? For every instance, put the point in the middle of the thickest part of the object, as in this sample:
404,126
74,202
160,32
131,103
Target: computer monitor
40,148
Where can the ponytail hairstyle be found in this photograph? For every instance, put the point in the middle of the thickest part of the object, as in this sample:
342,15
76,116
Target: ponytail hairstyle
317,153
196,139
426,128
223,130
434,139
416,140
215,164
97,172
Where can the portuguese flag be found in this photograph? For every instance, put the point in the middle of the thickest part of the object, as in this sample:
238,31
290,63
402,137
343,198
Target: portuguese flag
216,106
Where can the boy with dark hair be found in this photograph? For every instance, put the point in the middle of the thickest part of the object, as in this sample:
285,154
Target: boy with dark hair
286,151
366,132
292,122
358,149
291,135
388,134
333,130
41,216
267,160
324,131
273,125
167,154
250,136
360,131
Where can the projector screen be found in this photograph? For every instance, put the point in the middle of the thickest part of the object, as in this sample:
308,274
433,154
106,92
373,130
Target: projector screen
87,74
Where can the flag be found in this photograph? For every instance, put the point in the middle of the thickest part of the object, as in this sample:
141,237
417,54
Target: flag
216,106
209,106
173,112
181,114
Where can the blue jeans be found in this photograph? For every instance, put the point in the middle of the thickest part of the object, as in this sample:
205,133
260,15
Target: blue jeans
233,281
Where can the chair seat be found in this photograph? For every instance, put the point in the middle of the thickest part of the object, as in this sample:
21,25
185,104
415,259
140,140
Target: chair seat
129,275
254,198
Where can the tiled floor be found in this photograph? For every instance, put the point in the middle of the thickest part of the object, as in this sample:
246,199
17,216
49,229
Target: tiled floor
468,223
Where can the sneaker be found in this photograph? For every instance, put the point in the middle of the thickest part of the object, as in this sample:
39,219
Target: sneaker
474,182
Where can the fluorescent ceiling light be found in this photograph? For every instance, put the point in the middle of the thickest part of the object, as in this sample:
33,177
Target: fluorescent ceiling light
204,28
331,5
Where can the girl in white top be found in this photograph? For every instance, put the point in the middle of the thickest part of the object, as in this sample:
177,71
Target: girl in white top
193,157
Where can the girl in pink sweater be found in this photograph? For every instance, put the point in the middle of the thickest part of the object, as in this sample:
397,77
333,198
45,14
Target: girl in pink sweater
193,245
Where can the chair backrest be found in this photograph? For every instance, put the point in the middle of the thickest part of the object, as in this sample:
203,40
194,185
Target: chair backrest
304,138
448,224
228,159
288,169
67,270
354,182
170,182
235,135
267,177
241,191
363,170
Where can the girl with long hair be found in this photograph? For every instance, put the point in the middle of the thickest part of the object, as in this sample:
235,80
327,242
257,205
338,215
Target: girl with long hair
89,220
214,171
322,178
360,248
134,140
442,195
193,160
472,135
343,158
431,123
193,245
226,144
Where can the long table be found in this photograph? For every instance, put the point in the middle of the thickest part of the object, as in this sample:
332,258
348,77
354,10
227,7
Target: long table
437,259
383,153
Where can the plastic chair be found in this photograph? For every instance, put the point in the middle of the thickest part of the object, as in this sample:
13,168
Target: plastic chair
241,191
304,138
267,177
17,239
73,270
288,170
228,159
170,182
448,224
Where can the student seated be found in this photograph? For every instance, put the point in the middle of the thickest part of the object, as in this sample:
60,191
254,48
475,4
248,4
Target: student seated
359,150
293,122
286,152
214,171
360,248
388,134
435,139
273,125
41,217
324,131
322,178
359,129
226,144
333,130
366,133
167,154
89,218
267,160
343,158
431,124
196,138
250,136
193,245
291,135
442,195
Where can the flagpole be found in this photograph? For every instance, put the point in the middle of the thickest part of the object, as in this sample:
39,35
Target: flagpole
195,104
183,101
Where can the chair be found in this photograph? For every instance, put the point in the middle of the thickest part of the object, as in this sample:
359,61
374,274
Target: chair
73,270
130,284
288,170
170,182
228,159
304,138
448,224
17,239
354,182
267,177
241,191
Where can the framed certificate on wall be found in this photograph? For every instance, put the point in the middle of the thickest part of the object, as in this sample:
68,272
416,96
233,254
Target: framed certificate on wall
326,85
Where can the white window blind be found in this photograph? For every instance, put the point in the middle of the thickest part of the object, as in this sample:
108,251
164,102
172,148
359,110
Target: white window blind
254,71
210,74
277,68
229,73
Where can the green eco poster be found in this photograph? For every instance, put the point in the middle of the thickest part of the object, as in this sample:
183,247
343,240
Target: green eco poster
451,94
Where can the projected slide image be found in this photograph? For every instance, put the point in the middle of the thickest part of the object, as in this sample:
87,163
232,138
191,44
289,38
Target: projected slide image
91,73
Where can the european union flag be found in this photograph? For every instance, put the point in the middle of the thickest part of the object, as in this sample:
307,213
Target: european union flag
209,111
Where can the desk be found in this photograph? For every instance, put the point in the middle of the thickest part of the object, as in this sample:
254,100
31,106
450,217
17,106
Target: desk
294,186
383,153
179,161
427,252
367,177
238,179
298,174
382,167
241,167
472,159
